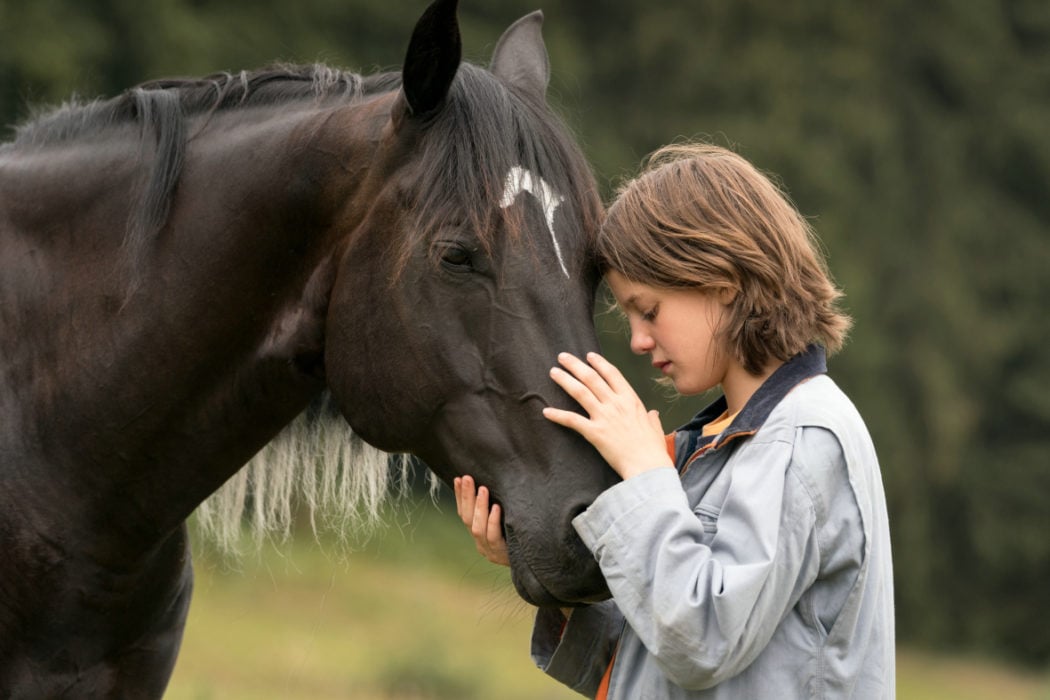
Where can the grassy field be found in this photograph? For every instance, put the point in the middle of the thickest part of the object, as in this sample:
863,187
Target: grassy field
415,614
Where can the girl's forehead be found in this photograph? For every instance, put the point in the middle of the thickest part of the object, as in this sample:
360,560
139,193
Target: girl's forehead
632,295
618,282
628,292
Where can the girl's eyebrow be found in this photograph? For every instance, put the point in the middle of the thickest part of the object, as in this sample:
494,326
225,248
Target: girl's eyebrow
630,302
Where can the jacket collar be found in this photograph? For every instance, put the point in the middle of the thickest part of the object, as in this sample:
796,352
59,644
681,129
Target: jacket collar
805,365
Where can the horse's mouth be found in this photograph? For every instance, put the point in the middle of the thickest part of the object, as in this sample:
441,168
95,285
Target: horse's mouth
534,592
577,587
530,589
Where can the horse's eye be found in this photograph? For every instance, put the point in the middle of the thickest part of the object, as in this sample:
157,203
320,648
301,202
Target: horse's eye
457,258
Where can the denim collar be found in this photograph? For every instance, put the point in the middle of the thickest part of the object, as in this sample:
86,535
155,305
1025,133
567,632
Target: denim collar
805,365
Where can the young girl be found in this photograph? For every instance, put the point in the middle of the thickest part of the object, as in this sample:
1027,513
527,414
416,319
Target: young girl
748,553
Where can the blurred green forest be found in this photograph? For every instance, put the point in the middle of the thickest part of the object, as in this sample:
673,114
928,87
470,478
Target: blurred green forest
915,134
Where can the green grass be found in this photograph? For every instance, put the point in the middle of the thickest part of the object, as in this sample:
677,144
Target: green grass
416,614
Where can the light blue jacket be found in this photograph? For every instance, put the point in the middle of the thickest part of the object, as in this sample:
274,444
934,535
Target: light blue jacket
761,570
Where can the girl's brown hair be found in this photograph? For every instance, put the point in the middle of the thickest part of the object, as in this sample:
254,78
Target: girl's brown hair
700,216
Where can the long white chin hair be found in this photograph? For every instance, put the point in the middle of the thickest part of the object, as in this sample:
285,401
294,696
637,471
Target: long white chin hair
317,465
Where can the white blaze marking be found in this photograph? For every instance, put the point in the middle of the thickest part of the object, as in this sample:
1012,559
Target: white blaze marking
521,180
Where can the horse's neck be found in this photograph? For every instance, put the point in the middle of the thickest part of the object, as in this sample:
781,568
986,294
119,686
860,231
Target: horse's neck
172,368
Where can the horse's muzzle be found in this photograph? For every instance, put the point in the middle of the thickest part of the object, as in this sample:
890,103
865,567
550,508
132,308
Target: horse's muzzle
566,579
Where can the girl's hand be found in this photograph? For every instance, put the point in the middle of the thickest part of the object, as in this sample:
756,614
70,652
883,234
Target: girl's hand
483,523
630,438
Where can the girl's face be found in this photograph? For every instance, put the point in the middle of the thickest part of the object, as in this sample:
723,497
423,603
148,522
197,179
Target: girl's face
678,329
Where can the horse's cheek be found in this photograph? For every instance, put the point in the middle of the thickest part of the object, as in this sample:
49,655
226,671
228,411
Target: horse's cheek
372,371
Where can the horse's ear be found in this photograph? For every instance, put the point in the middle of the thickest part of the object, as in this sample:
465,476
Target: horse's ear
520,57
433,57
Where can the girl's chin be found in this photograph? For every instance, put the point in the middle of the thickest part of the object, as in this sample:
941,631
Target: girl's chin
686,388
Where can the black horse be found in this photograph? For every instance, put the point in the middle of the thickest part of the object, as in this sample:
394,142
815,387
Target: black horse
186,267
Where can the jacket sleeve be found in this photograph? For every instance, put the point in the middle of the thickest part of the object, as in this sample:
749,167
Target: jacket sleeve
577,652
706,605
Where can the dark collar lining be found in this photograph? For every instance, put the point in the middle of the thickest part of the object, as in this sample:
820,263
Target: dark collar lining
805,365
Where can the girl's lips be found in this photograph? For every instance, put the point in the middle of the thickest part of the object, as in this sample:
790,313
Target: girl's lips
662,366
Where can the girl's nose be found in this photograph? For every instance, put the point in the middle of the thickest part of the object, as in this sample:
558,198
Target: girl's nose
641,342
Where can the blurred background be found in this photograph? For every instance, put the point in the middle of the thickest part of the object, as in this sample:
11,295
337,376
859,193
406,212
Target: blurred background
916,137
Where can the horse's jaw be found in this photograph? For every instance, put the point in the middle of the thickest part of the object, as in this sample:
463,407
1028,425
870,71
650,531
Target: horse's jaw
531,588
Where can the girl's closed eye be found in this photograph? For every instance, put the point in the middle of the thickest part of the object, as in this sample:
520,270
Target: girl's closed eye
650,315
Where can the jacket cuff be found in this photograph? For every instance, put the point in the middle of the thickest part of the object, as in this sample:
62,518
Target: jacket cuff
619,500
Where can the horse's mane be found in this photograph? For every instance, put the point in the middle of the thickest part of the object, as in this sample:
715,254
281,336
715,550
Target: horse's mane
161,110
161,104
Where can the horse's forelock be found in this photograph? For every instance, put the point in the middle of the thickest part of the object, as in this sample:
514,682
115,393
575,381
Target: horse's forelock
484,130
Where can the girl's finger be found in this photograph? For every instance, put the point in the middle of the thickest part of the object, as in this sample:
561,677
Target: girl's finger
484,524
494,534
654,422
576,389
465,499
479,522
610,373
568,419
586,375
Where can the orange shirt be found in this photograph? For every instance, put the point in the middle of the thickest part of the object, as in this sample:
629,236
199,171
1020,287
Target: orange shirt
717,425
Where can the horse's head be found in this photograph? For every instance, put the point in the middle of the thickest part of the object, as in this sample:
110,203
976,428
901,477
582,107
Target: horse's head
467,270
